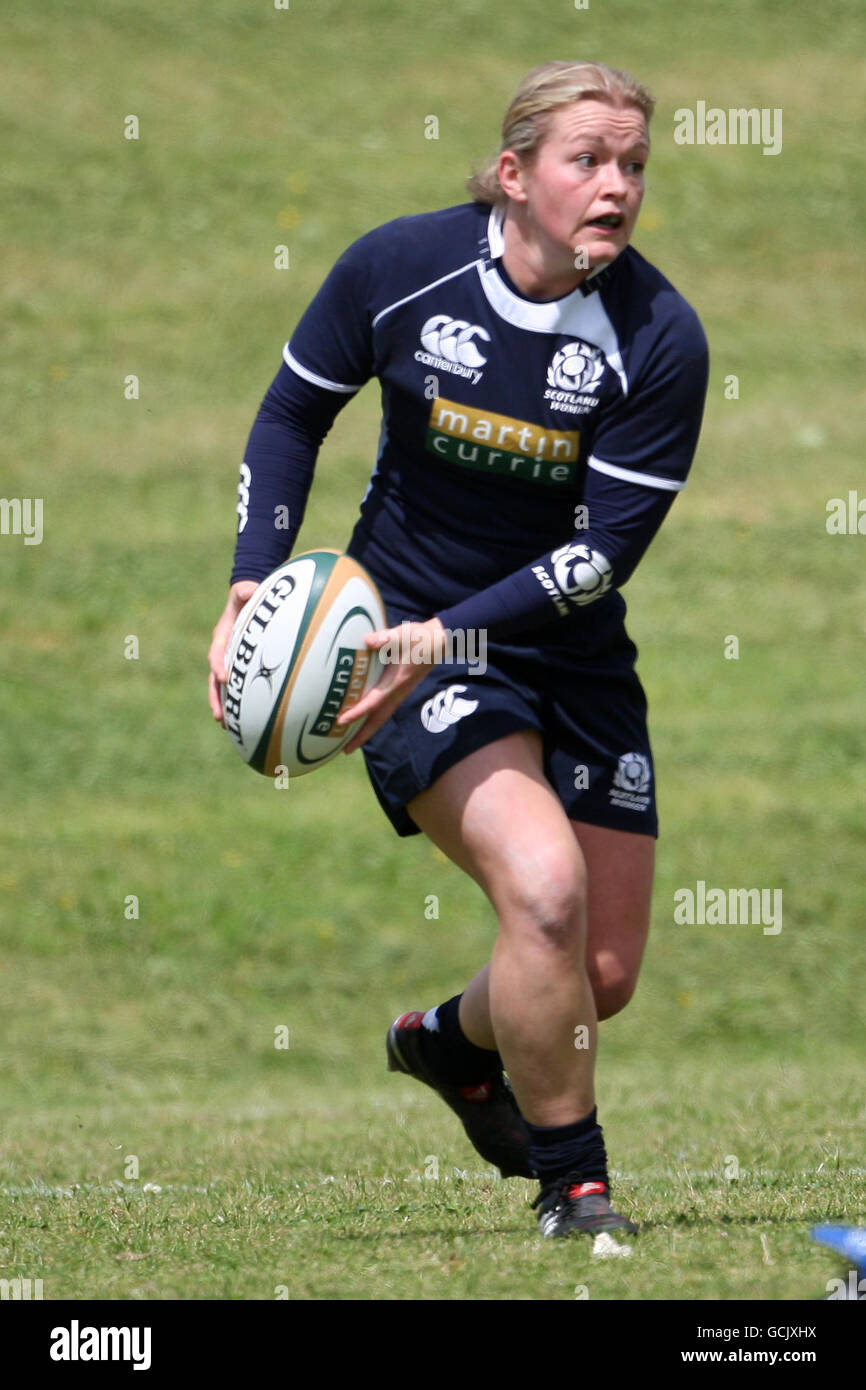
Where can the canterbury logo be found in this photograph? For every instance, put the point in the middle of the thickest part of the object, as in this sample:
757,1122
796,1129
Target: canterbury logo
445,709
242,508
451,338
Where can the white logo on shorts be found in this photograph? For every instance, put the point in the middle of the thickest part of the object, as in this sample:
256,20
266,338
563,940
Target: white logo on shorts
445,709
630,781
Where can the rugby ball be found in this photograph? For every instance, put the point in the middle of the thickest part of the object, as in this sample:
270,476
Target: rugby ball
296,659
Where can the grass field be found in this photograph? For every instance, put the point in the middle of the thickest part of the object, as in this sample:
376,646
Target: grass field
164,911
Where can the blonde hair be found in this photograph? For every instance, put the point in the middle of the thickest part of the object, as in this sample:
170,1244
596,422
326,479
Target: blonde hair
542,91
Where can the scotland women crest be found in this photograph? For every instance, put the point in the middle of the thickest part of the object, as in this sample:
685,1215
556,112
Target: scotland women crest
576,367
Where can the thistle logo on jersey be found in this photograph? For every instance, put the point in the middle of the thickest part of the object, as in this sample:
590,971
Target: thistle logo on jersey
630,781
581,574
445,709
492,443
573,376
450,347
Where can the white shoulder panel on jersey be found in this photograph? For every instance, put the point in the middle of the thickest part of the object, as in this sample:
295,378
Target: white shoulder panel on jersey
575,316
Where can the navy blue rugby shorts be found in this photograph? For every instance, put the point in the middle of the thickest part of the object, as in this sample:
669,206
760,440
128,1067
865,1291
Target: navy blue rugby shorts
589,708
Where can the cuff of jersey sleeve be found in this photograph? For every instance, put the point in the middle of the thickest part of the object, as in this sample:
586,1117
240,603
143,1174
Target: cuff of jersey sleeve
252,572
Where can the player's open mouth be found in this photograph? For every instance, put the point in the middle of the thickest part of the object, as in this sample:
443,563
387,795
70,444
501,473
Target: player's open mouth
609,222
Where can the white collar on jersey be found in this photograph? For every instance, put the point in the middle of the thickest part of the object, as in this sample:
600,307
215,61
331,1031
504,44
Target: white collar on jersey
578,314
496,242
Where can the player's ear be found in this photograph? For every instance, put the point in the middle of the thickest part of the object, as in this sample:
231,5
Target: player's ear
510,170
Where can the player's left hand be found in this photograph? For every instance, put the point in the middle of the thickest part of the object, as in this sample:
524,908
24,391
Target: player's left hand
412,651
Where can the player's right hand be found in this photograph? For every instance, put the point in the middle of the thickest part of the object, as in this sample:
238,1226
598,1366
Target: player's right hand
238,595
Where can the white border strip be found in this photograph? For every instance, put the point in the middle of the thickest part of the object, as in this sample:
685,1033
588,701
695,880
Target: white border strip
629,475
423,290
295,365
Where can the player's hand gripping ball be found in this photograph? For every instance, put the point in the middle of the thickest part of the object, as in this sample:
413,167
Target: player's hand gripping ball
296,659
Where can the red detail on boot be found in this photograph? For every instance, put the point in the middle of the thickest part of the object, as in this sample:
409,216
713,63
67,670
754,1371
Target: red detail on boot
481,1092
413,1020
583,1189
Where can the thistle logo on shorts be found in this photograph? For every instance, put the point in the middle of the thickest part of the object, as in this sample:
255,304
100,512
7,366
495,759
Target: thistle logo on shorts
450,347
445,709
630,781
573,376
492,443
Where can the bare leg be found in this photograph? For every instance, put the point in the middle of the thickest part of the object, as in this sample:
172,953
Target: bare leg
532,868
619,868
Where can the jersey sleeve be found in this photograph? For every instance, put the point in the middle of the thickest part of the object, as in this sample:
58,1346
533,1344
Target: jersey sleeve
277,471
641,457
327,360
332,346
649,436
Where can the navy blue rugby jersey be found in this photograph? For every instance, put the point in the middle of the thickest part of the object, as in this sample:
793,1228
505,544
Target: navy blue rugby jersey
529,450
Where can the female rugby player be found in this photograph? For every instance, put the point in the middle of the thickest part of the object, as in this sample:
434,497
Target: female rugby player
542,388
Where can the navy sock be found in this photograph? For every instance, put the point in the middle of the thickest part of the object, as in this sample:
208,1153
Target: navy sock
556,1152
449,1054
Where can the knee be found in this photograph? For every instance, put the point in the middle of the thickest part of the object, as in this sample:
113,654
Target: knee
546,903
612,988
